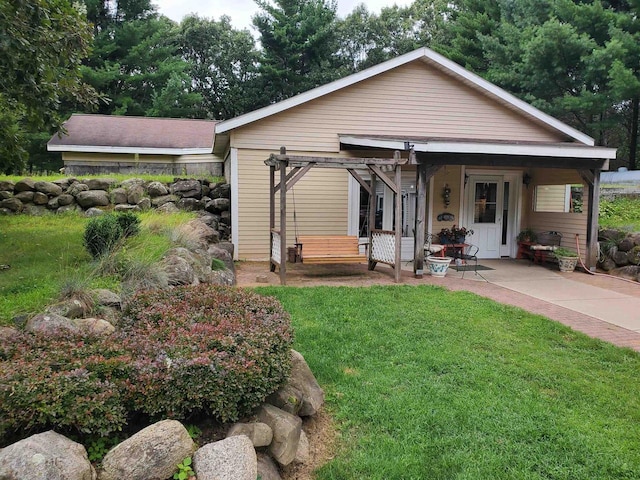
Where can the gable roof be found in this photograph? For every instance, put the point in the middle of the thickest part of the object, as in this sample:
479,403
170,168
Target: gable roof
145,135
429,57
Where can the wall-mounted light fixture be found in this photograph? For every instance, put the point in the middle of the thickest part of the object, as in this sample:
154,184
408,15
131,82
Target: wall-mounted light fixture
526,179
446,195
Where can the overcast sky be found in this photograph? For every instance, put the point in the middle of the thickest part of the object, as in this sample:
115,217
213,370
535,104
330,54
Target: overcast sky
241,11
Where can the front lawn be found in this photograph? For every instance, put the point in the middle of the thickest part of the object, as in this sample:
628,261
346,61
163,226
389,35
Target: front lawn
430,384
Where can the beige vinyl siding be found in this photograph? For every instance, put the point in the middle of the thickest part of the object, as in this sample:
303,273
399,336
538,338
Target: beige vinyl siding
412,100
449,175
321,204
567,223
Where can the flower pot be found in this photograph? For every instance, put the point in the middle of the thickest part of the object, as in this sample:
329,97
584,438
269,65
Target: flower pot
437,266
567,264
445,240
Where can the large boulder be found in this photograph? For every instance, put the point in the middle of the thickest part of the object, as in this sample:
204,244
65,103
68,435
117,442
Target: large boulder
630,272
71,308
12,204
25,185
25,196
267,469
93,198
218,205
75,188
260,434
144,204
40,198
45,456
100,183
152,453
287,398
189,204
233,458
6,185
159,201
221,190
95,327
302,379
187,189
105,297
118,196
179,271
286,432
65,199
50,323
135,194
94,212
168,208
157,189
48,188
303,454
4,194
133,182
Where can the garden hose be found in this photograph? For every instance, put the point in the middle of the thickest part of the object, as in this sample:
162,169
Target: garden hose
596,273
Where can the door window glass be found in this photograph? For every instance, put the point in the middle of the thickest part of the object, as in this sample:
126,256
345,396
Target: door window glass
485,202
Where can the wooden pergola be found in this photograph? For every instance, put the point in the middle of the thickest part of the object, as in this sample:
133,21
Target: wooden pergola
385,246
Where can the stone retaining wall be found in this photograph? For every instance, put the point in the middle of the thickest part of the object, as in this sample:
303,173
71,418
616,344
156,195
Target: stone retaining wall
95,195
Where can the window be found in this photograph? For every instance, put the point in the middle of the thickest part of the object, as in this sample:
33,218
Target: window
558,198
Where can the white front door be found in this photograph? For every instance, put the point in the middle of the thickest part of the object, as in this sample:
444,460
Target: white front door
484,212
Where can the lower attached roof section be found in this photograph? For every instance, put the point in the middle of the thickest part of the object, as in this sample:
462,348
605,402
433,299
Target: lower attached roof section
480,147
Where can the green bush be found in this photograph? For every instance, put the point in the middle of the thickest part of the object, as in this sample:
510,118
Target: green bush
204,349
130,223
102,235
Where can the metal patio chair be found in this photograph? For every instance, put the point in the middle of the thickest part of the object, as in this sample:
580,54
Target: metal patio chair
471,255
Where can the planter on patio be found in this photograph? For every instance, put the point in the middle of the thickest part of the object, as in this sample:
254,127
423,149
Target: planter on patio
437,266
567,259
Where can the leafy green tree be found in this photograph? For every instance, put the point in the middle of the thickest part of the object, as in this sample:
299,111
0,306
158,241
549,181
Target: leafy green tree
222,66
366,39
136,61
43,44
298,45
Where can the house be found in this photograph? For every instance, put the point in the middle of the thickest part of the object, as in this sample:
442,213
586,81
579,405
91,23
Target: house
110,143
470,154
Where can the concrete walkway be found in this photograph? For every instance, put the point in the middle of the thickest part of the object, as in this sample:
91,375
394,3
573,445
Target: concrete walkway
600,306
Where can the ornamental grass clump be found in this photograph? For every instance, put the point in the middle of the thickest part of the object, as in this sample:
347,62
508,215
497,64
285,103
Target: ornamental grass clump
205,348
213,350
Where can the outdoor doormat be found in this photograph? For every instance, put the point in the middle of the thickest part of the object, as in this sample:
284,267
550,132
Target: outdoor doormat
469,268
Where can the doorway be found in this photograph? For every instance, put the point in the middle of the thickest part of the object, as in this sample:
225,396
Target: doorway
491,212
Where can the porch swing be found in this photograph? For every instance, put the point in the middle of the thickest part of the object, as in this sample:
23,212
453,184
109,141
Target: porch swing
326,249
383,246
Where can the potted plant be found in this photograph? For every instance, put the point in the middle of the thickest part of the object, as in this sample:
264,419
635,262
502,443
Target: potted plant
527,235
567,259
454,234
438,266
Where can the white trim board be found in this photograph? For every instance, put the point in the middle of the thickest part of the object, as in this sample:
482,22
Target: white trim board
129,150
570,150
428,56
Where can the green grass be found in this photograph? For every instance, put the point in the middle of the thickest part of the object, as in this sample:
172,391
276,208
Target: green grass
118,176
623,213
45,253
426,383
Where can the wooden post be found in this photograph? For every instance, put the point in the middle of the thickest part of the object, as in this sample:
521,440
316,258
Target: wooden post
283,218
272,214
398,222
372,218
421,211
592,220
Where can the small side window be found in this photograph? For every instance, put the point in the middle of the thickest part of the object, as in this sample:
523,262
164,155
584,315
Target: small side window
558,198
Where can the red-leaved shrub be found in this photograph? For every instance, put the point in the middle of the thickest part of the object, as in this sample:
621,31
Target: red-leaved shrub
191,349
216,349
